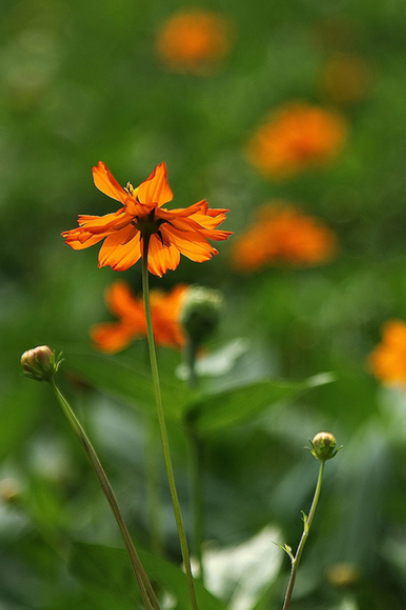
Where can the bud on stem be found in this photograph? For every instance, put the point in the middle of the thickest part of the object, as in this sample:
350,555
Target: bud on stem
40,363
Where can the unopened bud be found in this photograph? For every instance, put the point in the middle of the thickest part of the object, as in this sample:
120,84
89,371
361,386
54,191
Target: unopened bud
200,312
40,363
324,446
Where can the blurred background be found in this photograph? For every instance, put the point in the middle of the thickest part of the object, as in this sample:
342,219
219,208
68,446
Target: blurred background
291,114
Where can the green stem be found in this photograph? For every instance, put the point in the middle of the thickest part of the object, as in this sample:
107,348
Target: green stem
146,590
189,360
196,450
162,427
306,529
152,487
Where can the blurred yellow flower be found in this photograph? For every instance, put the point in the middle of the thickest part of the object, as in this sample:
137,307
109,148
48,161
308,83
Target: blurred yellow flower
193,41
111,337
282,234
294,137
387,361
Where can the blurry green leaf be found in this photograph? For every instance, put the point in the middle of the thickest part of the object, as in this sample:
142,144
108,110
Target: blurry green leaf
127,381
238,405
110,568
19,412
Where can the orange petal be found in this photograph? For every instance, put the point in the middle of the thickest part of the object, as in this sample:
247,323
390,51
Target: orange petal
105,182
191,244
155,189
121,302
111,337
161,258
118,253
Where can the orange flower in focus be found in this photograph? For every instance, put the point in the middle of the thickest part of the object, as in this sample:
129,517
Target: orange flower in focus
295,137
170,232
282,235
387,361
111,337
193,41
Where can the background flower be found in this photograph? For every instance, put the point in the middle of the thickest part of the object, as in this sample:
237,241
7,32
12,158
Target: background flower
111,337
294,137
193,41
387,361
282,234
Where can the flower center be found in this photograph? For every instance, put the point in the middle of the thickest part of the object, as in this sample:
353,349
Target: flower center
148,225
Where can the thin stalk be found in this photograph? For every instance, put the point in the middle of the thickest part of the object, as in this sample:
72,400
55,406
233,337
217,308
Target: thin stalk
189,360
152,487
196,451
147,592
306,529
162,427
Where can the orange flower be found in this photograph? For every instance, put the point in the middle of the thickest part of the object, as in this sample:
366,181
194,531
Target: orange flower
387,361
193,41
282,235
295,137
111,337
170,232
345,78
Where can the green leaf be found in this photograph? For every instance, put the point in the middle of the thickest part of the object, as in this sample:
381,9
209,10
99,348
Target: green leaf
109,568
238,405
20,411
128,381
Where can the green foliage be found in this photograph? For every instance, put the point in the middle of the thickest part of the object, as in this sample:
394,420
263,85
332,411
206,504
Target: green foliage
80,82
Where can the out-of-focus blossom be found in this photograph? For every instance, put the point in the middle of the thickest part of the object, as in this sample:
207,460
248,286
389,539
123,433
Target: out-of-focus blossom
344,78
295,137
111,337
142,217
193,41
387,361
282,234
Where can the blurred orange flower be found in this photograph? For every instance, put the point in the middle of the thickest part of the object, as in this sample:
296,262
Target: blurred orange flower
111,337
193,41
344,78
170,232
294,137
282,234
387,361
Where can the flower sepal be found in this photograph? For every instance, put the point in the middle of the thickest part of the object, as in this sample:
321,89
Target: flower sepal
323,446
40,363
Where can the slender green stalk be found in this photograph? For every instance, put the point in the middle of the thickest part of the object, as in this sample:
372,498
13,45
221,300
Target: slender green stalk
196,451
152,487
189,360
162,428
306,529
146,590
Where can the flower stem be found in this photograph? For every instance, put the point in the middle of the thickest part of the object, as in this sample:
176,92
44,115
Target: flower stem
196,450
162,427
306,529
152,487
147,592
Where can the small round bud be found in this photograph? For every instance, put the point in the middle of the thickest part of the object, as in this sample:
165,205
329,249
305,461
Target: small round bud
40,363
200,312
324,446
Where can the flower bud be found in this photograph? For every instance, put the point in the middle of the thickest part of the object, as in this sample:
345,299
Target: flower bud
40,363
200,312
324,446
